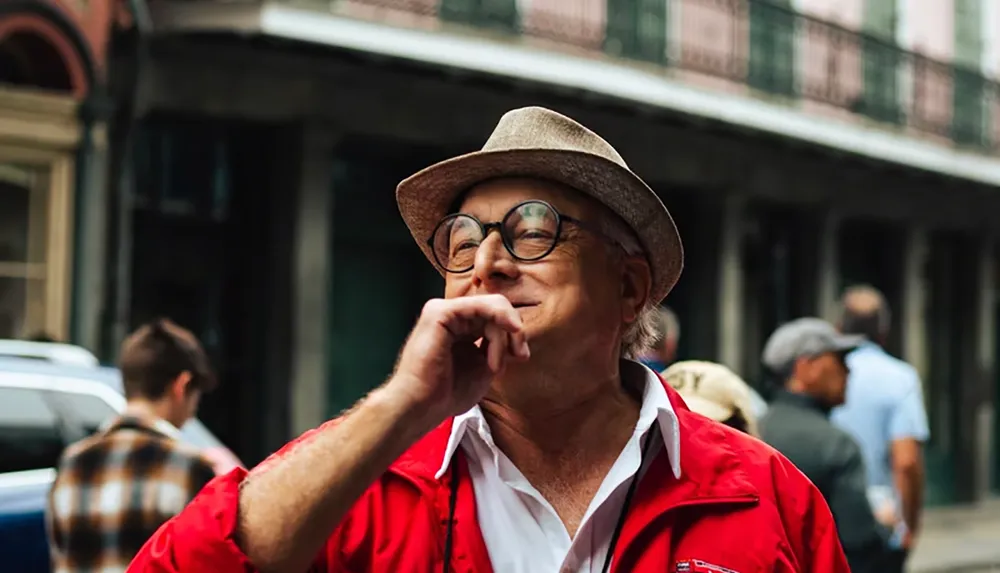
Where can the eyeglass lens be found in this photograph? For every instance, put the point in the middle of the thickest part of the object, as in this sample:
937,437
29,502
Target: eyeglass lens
529,232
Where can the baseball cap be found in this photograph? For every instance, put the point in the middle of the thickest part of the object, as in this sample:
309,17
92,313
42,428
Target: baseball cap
805,337
712,390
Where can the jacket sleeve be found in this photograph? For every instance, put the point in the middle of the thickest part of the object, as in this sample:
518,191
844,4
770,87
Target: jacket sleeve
201,538
809,525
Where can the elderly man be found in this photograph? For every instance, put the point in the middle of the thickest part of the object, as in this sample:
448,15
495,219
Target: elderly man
512,435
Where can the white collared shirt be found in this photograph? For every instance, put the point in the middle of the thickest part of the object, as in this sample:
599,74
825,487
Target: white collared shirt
523,533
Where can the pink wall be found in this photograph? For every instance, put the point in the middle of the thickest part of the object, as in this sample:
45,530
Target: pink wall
847,13
927,26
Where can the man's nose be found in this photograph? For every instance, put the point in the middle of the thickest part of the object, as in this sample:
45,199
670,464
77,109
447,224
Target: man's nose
493,262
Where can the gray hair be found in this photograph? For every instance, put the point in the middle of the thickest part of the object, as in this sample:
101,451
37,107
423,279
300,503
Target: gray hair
667,326
639,335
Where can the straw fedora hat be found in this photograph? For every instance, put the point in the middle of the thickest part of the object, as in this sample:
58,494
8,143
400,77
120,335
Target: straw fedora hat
539,143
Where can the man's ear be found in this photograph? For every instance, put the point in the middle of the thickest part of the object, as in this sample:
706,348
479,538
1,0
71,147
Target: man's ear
800,370
637,280
181,385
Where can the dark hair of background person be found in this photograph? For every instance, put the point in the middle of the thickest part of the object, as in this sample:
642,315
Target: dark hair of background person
864,311
157,353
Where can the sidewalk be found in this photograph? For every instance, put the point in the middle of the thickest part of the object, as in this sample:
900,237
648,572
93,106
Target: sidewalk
962,539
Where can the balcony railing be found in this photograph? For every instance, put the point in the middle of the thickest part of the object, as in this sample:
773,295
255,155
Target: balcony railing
750,45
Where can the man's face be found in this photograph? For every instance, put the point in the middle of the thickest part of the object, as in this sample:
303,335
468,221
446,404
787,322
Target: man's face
825,377
577,295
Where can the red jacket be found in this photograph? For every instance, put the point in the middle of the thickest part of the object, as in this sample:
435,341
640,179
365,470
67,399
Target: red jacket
738,506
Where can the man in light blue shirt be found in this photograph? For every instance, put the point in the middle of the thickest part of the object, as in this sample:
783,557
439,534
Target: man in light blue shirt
884,412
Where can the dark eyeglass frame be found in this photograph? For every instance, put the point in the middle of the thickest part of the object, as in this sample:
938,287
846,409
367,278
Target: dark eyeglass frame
500,225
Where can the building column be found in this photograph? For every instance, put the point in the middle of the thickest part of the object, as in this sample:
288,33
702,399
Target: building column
986,360
915,292
731,287
312,275
91,244
828,268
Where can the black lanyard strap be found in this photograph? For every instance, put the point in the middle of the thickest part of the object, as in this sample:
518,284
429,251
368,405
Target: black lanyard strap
452,498
633,484
628,499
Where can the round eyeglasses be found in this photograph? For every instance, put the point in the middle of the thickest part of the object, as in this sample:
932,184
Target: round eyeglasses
529,231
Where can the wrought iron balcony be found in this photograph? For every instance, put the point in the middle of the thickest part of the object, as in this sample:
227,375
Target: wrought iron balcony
751,46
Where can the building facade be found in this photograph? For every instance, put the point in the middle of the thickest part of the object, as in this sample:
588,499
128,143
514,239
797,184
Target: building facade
51,67
802,146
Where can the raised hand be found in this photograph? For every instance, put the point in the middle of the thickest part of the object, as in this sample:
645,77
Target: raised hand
457,346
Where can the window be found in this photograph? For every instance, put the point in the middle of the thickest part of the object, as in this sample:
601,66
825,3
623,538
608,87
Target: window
29,433
88,410
969,87
637,29
500,14
881,59
772,46
24,204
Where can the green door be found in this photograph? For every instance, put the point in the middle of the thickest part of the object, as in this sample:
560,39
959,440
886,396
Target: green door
772,46
944,377
969,120
881,58
996,378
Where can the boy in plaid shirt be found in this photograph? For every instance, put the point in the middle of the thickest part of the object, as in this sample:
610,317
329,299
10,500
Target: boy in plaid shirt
114,489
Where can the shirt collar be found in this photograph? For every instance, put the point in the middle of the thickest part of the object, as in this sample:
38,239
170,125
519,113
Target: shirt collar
165,427
132,419
655,406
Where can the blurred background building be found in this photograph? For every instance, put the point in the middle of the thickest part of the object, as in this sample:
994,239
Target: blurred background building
231,164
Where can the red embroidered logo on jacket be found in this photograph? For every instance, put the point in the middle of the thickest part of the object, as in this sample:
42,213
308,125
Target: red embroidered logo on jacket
698,566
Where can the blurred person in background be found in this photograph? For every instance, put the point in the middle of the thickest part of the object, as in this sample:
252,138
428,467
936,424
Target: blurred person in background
884,411
808,354
115,488
715,392
663,351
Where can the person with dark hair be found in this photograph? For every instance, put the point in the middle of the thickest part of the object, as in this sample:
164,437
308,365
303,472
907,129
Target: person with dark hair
808,355
114,489
884,411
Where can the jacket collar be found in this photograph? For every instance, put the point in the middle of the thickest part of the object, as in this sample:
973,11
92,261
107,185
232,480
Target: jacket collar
713,475
132,421
656,408
711,467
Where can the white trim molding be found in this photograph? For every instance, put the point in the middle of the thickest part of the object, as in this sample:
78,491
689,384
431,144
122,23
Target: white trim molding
649,88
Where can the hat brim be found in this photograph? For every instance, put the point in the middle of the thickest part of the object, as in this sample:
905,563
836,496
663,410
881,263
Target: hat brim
425,198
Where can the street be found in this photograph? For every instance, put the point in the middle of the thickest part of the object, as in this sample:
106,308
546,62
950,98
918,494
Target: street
965,539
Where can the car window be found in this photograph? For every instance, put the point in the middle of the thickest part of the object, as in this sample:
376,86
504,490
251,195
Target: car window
89,410
196,434
29,432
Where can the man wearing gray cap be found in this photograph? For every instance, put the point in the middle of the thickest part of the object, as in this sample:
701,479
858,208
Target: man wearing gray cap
808,356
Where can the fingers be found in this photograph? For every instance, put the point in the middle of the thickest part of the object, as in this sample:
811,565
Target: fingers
492,308
491,317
